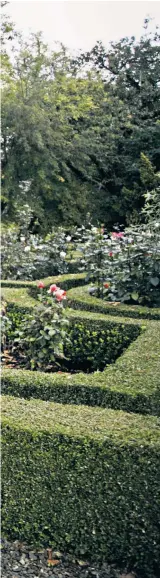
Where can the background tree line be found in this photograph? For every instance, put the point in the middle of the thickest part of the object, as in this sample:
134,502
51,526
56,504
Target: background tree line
79,135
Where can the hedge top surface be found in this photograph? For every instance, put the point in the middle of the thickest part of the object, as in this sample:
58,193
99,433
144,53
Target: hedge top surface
80,298
47,280
115,426
18,297
21,298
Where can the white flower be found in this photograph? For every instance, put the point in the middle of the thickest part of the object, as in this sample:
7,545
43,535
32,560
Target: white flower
27,249
62,254
22,239
68,238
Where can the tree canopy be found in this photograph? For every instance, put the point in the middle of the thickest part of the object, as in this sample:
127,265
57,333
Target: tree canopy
79,135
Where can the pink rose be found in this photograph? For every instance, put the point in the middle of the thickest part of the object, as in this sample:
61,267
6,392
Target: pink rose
53,288
40,285
60,294
117,235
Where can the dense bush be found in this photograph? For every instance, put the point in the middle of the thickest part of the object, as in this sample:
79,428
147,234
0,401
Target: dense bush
43,331
133,269
123,266
30,256
82,479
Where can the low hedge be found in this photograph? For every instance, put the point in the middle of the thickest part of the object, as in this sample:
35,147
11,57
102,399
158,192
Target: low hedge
95,340
131,384
66,281
80,299
82,479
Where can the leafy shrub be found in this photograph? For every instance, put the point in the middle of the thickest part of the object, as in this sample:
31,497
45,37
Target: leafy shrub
133,270
5,324
31,257
91,243
124,266
43,330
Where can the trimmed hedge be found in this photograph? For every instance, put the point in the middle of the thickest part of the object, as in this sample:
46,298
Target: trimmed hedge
80,299
131,384
82,479
67,281
96,340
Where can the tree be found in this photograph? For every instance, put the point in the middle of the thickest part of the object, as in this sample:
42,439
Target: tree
131,73
80,136
40,109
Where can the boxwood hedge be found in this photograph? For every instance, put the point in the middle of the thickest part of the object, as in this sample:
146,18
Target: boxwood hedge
82,479
131,384
80,299
66,281
96,340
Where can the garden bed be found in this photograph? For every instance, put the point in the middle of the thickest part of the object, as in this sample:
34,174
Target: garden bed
95,340
132,383
77,477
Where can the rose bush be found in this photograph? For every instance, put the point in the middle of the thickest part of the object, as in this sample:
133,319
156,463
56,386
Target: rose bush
92,243
5,324
123,265
133,272
27,256
133,268
43,332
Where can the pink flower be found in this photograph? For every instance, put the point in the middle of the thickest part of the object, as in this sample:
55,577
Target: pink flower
53,288
40,285
110,254
60,294
117,235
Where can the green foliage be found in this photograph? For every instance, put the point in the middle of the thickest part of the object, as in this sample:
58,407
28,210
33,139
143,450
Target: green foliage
147,174
82,479
80,299
68,281
92,347
131,384
43,331
91,242
31,256
94,340
134,269
151,209
5,324
69,121
130,70
124,266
